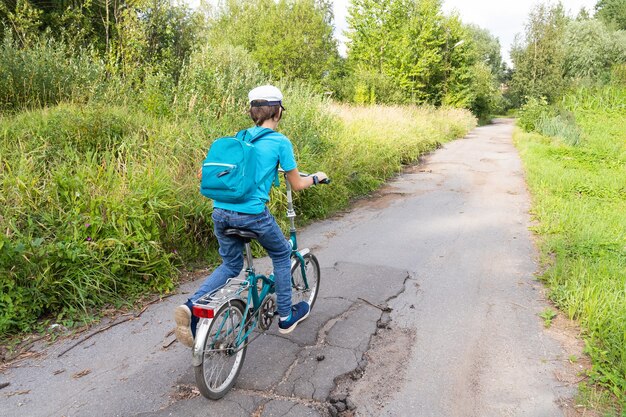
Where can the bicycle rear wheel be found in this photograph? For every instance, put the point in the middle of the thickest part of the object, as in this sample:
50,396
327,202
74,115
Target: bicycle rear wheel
222,361
305,290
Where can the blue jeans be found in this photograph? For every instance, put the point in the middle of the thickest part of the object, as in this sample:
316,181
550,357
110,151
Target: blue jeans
231,251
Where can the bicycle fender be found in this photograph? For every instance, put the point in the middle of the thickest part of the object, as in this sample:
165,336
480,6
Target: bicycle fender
197,354
299,254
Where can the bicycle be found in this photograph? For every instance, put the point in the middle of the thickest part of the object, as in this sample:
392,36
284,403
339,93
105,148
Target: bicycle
229,316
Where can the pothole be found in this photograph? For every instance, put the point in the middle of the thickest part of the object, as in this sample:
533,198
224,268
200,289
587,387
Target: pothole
369,387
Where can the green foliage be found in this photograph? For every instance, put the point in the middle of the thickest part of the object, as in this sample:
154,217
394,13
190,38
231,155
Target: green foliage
591,50
618,72
108,107
531,112
406,51
79,24
538,58
561,125
613,12
484,95
295,40
94,210
579,199
45,73
134,38
23,20
487,48
171,33
558,53
537,116
215,83
377,29
99,204
547,315
372,87
596,99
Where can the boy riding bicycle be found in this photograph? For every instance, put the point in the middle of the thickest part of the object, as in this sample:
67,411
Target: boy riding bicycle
273,150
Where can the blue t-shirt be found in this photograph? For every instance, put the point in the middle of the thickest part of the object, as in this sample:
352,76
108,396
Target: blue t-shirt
272,149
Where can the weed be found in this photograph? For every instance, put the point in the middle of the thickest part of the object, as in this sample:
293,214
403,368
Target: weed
547,315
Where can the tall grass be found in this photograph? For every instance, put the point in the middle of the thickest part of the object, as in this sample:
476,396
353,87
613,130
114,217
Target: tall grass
580,203
368,145
45,74
100,201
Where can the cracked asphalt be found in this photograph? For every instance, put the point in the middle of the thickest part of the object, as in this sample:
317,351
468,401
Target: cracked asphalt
445,245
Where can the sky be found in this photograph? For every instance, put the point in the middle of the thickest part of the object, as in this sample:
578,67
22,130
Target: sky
502,18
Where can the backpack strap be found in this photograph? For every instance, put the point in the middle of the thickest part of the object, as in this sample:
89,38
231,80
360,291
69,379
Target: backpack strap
244,135
259,135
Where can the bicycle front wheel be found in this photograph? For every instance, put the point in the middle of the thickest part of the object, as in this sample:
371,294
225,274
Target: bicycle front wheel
305,286
223,357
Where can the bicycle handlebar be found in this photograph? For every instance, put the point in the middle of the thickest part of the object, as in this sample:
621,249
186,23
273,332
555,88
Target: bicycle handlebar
304,174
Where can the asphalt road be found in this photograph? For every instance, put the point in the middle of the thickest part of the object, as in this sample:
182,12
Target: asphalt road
446,246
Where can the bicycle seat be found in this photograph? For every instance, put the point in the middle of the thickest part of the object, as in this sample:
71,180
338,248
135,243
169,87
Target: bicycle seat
244,234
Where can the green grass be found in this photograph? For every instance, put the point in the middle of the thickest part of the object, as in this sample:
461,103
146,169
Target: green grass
100,203
579,200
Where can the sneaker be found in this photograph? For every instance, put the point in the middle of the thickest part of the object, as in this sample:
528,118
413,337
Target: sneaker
298,313
183,318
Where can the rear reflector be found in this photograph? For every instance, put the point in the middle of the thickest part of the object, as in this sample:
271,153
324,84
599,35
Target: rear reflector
203,312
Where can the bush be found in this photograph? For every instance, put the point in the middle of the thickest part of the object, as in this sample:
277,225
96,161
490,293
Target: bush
45,74
591,49
562,125
215,82
372,88
532,112
95,209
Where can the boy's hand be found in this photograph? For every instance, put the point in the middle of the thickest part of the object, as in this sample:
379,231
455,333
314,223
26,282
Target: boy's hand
321,176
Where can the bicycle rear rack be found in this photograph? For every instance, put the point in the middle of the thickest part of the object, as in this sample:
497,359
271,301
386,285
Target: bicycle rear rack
234,288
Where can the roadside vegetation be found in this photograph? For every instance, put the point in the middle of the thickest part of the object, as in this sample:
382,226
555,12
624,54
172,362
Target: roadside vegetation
570,82
105,115
579,201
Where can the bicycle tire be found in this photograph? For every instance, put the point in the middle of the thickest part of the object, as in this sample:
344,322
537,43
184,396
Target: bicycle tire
220,366
312,271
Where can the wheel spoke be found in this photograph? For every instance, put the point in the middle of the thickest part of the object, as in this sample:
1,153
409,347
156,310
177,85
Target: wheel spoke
305,289
221,364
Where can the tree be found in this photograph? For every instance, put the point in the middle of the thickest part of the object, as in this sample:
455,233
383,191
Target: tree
295,39
171,31
591,49
488,49
23,20
376,32
432,51
538,58
132,35
402,41
612,12
408,51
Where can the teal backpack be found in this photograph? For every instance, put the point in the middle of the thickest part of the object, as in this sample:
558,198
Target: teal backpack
229,169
